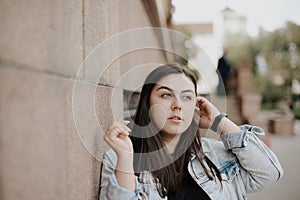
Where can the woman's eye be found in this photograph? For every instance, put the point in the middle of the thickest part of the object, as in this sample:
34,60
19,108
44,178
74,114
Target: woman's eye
166,95
187,97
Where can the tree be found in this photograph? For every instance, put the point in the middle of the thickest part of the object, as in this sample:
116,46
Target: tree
240,50
281,51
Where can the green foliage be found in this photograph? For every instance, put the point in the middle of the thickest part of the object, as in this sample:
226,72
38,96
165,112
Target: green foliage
271,92
240,51
297,113
296,105
281,51
279,48
269,106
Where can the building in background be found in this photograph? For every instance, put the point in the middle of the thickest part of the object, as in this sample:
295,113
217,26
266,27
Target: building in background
233,23
210,37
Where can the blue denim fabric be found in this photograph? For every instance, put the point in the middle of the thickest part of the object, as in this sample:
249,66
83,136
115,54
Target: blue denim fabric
245,162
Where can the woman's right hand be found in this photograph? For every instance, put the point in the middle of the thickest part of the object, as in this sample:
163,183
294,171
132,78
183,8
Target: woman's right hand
117,137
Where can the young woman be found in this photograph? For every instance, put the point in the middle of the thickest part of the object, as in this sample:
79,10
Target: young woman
164,157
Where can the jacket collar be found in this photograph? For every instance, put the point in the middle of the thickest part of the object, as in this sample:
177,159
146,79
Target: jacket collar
208,145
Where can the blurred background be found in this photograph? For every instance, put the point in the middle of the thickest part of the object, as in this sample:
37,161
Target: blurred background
255,45
255,70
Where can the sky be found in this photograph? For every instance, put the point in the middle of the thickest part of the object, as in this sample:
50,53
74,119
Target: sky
268,14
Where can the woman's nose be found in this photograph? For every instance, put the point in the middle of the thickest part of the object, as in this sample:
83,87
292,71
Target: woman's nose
176,104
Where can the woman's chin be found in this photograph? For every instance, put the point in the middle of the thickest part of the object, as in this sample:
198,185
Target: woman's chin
173,131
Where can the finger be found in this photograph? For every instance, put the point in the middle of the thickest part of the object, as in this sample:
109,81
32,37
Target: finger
112,137
116,128
126,122
112,126
203,106
124,126
201,99
202,111
115,133
122,130
197,111
123,134
119,123
197,114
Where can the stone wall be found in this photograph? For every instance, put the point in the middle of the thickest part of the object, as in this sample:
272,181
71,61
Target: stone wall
42,45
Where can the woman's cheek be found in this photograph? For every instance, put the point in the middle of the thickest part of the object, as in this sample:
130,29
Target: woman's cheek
189,113
158,115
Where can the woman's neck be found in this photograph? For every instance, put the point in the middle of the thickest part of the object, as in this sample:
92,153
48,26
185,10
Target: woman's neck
171,142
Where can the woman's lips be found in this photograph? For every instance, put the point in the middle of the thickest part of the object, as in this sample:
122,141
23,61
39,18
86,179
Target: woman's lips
175,119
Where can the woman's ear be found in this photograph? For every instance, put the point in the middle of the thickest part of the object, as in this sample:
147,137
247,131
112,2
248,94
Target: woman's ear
197,114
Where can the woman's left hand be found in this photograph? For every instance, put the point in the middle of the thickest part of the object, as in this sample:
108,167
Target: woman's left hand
207,112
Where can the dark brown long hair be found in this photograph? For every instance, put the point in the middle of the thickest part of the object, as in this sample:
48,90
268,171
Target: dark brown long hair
150,154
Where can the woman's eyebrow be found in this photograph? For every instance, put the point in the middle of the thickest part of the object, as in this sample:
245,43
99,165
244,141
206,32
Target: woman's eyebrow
184,91
164,87
171,90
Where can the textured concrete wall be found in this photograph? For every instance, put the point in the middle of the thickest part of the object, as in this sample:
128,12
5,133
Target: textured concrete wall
42,45
134,16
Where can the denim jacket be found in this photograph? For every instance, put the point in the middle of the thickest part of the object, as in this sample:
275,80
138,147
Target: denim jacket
245,162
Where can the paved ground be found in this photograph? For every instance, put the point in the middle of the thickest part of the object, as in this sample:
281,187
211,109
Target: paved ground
288,151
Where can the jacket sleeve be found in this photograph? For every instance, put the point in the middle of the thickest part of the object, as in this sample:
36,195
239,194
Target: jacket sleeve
259,165
109,188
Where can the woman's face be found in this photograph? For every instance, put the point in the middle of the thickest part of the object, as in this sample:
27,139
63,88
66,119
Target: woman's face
172,103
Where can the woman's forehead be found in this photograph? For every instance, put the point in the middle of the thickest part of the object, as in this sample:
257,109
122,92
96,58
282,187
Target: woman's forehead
176,82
